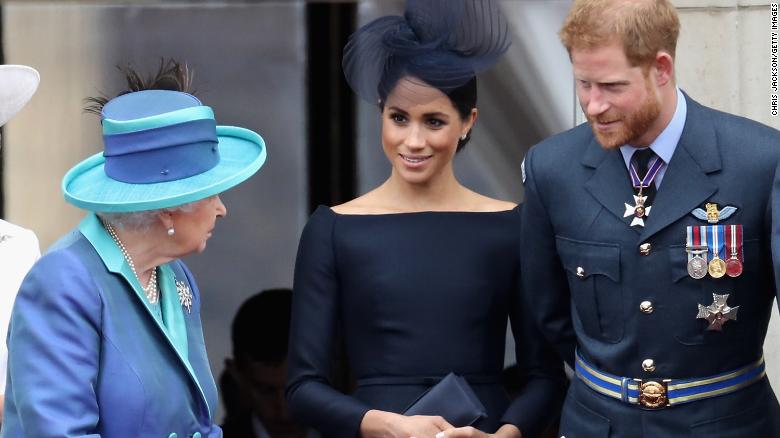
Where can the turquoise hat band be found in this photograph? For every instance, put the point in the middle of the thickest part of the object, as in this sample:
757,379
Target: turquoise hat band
242,153
114,127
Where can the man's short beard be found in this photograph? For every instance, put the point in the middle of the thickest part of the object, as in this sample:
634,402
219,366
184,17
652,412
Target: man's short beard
632,126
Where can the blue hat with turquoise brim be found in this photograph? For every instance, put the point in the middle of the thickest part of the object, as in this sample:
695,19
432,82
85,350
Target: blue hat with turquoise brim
161,149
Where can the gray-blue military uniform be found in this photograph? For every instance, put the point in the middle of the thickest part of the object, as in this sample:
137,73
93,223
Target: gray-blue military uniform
663,321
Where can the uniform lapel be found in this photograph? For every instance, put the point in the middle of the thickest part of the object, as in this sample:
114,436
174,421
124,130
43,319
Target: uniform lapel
609,184
686,184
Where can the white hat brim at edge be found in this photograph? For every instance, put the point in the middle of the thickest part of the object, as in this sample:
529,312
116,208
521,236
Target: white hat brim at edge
17,85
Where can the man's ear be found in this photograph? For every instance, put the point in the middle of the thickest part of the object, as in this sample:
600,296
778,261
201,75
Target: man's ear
663,68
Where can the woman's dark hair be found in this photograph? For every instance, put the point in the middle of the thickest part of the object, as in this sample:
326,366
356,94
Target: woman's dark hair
463,98
171,75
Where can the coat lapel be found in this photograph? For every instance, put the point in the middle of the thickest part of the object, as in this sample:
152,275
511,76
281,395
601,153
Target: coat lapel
114,261
686,184
609,184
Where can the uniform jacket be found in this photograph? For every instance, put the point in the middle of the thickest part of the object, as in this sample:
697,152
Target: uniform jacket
89,357
585,275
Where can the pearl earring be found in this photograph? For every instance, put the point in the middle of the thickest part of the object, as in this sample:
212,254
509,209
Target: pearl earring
171,231
463,137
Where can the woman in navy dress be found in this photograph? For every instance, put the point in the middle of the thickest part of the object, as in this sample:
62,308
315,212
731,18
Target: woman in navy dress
420,275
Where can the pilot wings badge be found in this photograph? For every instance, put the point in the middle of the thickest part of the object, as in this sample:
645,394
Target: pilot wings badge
712,214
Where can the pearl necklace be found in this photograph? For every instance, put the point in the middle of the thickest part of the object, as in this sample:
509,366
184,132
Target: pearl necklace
151,287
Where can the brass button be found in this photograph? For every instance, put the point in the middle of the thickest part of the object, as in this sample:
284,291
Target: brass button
646,307
644,249
648,365
580,272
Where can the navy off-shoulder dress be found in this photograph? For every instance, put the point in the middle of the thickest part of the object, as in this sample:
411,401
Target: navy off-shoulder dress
416,296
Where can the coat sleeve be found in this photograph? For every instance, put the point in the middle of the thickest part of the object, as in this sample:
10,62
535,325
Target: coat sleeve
545,287
22,252
54,349
543,380
315,315
772,219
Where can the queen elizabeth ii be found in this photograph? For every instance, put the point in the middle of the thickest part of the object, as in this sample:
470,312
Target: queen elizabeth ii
105,337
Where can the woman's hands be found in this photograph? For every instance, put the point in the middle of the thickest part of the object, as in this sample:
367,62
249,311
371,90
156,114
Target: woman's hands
506,431
381,424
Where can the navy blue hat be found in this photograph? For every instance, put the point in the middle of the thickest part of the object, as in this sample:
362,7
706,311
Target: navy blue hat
443,43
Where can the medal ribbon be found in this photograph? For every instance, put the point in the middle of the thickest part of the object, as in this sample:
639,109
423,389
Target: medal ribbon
649,177
718,246
734,242
689,237
696,242
703,240
689,242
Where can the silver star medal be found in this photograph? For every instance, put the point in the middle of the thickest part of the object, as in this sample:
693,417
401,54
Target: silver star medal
638,210
718,312
185,295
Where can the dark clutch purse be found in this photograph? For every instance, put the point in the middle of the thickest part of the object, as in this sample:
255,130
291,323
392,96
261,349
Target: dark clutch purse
452,399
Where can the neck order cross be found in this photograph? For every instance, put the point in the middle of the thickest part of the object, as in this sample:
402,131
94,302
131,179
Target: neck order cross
150,290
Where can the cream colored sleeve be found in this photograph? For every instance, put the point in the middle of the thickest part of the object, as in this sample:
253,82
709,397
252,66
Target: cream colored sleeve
19,249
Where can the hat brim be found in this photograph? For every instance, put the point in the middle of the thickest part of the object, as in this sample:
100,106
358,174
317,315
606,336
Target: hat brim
242,153
17,85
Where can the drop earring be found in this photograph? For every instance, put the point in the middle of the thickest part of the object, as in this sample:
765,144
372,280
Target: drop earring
171,231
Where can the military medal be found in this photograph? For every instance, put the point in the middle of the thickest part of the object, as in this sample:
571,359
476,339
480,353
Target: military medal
696,248
734,248
639,210
717,267
718,313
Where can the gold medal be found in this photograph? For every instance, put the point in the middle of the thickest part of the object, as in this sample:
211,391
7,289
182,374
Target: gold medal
717,267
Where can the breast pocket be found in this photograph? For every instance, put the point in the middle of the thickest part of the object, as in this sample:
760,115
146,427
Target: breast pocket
688,293
593,271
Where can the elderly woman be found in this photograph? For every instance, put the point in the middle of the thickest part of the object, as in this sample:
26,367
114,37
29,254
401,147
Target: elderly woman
105,336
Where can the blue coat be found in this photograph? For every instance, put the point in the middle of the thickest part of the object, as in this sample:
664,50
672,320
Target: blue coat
585,274
89,357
